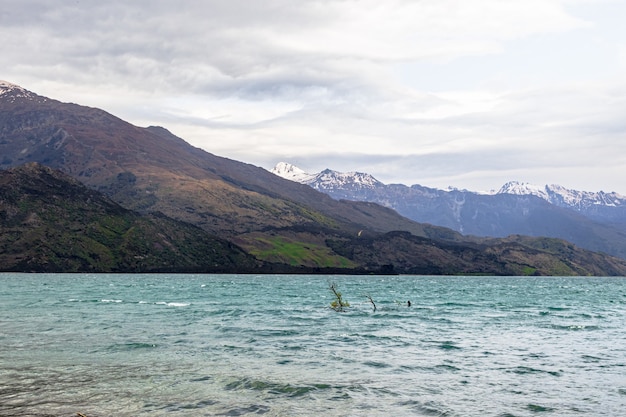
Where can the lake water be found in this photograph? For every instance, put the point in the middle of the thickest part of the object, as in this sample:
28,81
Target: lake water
229,345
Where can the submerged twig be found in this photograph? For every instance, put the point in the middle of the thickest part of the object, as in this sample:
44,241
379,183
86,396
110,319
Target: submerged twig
369,297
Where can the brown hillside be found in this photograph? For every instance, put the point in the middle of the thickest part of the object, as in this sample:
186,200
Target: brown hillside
149,170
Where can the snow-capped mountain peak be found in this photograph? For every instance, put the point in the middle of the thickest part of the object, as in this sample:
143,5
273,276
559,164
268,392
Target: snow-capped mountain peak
342,184
291,172
326,179
5,85
523,188
333,179
564,197
12,92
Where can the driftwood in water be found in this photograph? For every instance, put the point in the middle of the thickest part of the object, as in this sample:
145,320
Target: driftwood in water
338,303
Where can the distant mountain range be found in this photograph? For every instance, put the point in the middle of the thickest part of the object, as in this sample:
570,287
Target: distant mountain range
596,221
84,190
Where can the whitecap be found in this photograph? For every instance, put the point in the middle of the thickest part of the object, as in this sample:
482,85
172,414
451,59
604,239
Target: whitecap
178,304
110,301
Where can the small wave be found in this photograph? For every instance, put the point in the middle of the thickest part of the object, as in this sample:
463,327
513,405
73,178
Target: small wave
120,347
574,327
375,364
172,304
538,408
446,368
276,333
591,358
275,388
523,370
252,409
429,408
185,406
448,345
457,304
202,379
105,300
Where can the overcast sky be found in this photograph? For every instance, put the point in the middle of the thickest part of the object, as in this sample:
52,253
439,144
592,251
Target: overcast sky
461,93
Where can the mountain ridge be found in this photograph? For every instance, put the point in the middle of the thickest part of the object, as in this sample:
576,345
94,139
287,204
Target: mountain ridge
150,169
552,193
596,221
14,91
51,222
151,172
565,197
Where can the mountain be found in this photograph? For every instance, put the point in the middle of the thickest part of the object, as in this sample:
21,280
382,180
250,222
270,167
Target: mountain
50,222
327,180
514,255
159,177
151,170
292,173
595,221
148,168
599,206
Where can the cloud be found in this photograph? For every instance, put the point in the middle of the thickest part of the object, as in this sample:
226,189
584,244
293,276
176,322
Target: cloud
436,90
207,45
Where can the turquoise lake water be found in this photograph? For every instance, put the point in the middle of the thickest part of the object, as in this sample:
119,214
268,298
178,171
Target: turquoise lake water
229,345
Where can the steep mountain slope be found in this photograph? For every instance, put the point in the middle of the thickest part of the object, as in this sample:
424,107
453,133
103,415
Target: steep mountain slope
152,171
52,223
565,214
146,167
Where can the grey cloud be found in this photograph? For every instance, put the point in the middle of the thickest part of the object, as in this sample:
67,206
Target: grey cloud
232,47
278,51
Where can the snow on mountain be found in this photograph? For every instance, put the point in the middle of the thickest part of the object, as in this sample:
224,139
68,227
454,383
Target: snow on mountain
292,173
564,197
13,91
523,188
595,221
7,86
333,181
327,179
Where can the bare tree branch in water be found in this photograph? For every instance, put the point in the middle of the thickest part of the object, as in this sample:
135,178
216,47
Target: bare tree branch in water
338,303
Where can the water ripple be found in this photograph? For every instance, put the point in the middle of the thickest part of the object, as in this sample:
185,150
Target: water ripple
175,345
